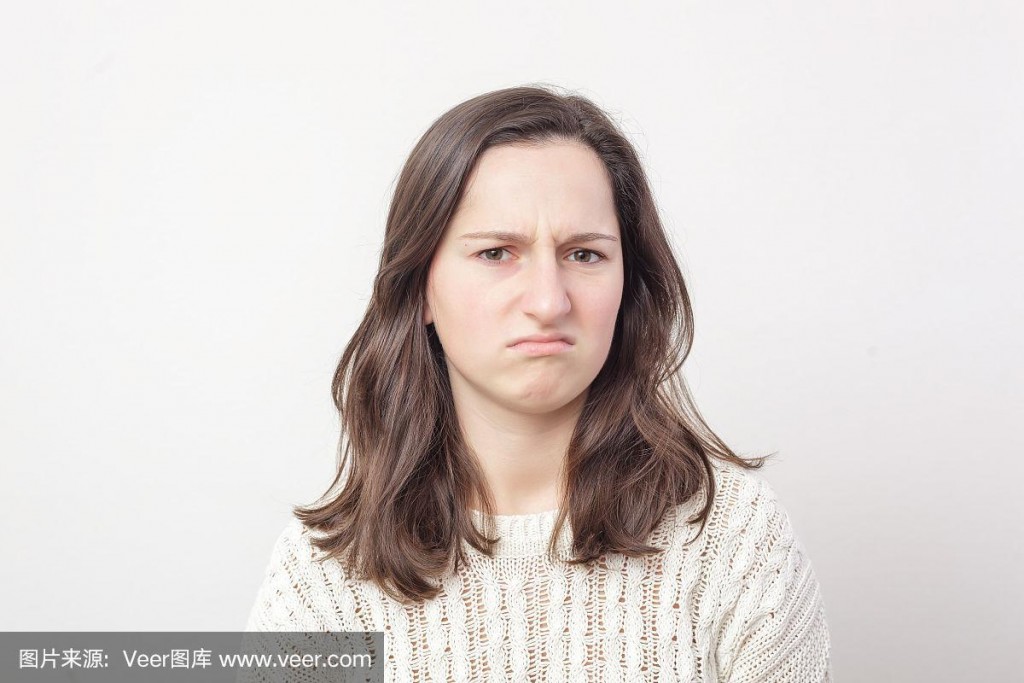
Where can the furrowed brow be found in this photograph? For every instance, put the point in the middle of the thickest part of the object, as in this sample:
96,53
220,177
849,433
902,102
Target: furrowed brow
517,238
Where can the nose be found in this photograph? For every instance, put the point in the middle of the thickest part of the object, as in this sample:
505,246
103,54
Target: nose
545,295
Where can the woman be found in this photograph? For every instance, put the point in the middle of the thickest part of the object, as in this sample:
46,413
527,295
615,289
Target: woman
528,491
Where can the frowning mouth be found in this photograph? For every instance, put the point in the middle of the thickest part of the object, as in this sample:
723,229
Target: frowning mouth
546,348
544,337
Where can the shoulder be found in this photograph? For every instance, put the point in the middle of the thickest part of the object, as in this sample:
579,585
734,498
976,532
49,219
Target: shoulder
294,546
755,551
737,487
745,518
296,590
738,492
293,542
295,561
751,522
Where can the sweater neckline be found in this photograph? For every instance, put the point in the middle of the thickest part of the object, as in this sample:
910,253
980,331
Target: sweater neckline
524,535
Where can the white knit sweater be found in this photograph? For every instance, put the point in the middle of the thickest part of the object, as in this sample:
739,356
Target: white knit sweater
741,603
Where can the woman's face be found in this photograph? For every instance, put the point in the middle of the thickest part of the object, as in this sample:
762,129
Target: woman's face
563,275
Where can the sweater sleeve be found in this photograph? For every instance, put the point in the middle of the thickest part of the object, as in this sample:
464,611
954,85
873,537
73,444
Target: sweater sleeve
283,601
282,606
774,628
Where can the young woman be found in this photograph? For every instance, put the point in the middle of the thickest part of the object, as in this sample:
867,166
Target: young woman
527,491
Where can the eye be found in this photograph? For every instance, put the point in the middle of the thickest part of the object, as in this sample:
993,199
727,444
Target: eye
491,251
591,252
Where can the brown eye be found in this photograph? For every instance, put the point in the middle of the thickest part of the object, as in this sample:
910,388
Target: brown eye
496,250
588,251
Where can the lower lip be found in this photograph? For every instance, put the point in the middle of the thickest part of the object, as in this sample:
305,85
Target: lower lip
542,348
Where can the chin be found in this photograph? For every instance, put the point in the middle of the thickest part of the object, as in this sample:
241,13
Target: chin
543,401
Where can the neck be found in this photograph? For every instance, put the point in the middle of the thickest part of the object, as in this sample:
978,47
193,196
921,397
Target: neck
522,455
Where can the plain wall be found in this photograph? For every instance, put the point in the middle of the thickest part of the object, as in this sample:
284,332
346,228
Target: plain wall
192,204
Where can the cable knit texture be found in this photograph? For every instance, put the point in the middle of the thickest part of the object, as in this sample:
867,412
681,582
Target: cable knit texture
739,604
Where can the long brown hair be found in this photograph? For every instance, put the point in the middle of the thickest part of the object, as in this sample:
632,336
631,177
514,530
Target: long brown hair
640,445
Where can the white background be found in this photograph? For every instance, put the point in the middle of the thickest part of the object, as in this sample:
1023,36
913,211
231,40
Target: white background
192,202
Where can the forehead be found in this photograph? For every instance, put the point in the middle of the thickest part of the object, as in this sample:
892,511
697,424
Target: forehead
553,182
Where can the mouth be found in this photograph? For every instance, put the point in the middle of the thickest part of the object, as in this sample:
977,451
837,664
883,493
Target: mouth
542,348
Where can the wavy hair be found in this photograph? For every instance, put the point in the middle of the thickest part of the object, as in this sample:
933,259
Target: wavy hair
640,446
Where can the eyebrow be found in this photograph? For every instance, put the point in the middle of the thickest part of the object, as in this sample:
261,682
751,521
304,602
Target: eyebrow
517,238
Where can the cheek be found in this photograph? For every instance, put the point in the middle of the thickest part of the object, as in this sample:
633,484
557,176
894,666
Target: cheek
602,308
461,309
